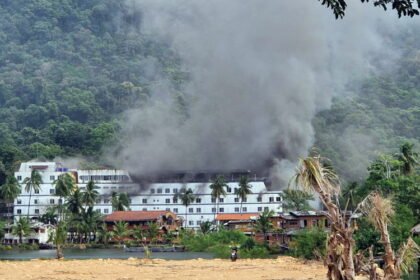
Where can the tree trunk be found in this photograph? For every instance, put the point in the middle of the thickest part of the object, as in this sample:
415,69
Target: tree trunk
186,216
240,210
60,254
390,270
20,238
29,203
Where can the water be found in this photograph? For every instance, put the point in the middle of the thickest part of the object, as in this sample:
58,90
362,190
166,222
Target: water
99,254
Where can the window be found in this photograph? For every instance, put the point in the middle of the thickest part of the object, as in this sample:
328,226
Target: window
152,190
106,200
278,199
106,211
52,201
213,200
221,200
144,200
236,199
36,191
198,210
52,177
175,200
159,190
19,211
168,209
213,210
19,201
259,199
259,209
175,190
198,223
190,210
236,209
168,200
167,190
35,201
36,211
244,209
265,208
271,199
98,210
144,209
198,200
19,178
52,191
98,201
229,190
221,210
191,223
175,210
244,200
236,190
60,201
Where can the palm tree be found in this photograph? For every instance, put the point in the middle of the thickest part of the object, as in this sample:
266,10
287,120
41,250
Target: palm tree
32,183
22,228
75,202
103,234
58,238
120,231
408,158
90,221
90,194
120,202
243,190
205,227
187,197
217,190
64,185
152,231
314,175
10,191
50,216
264,224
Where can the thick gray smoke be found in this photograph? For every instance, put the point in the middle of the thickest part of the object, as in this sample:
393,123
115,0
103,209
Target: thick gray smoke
259,70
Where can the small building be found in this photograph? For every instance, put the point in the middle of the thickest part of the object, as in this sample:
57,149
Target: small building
39,234
416,230
166,220
242,222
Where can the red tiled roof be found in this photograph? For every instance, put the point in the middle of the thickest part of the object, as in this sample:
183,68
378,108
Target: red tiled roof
135,216
236,217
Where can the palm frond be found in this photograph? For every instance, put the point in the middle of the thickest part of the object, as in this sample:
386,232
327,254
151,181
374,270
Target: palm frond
407,255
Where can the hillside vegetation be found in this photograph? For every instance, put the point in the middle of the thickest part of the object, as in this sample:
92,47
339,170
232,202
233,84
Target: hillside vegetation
69,68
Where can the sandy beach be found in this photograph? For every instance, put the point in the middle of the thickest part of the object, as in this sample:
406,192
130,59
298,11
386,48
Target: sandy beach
285,268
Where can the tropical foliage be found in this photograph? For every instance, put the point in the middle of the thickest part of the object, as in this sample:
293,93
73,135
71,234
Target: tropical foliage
187,197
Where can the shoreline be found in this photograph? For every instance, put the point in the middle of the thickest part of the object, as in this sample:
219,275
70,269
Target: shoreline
286,268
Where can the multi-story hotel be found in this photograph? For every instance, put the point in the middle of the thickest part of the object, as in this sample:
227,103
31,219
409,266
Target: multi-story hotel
157,194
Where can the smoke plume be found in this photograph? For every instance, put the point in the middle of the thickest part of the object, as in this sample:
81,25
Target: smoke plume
258,73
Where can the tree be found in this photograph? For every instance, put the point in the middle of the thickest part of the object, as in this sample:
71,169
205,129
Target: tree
264,224
103,234
58,238
152,231
10,191
90,220
314,175
217,190
187,197
75,202
408,158
64,186
32,183
403,7
243,190
90,194
205,227
120,231
296,200
50,216
120,202
22,228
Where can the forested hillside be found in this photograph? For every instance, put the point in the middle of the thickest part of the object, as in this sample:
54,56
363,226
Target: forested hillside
67,69
377,116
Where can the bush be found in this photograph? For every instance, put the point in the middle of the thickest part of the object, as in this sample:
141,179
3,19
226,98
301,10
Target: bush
309,243
205,243
248,244
257,252
27,246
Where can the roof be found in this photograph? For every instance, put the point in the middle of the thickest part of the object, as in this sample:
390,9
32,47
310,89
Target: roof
306,213
136,216
236,217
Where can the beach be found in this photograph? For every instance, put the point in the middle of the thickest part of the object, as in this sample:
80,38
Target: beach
285,268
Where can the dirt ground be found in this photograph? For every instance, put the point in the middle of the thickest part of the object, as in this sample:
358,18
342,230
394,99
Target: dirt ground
285,268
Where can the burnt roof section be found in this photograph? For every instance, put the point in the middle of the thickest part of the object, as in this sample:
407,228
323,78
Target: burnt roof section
137,216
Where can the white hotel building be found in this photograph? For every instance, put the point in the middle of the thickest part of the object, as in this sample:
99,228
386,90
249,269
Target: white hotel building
158,194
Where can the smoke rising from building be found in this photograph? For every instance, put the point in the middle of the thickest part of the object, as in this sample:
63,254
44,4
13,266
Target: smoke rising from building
259,72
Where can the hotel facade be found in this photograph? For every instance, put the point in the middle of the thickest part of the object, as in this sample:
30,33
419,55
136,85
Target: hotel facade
157,194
